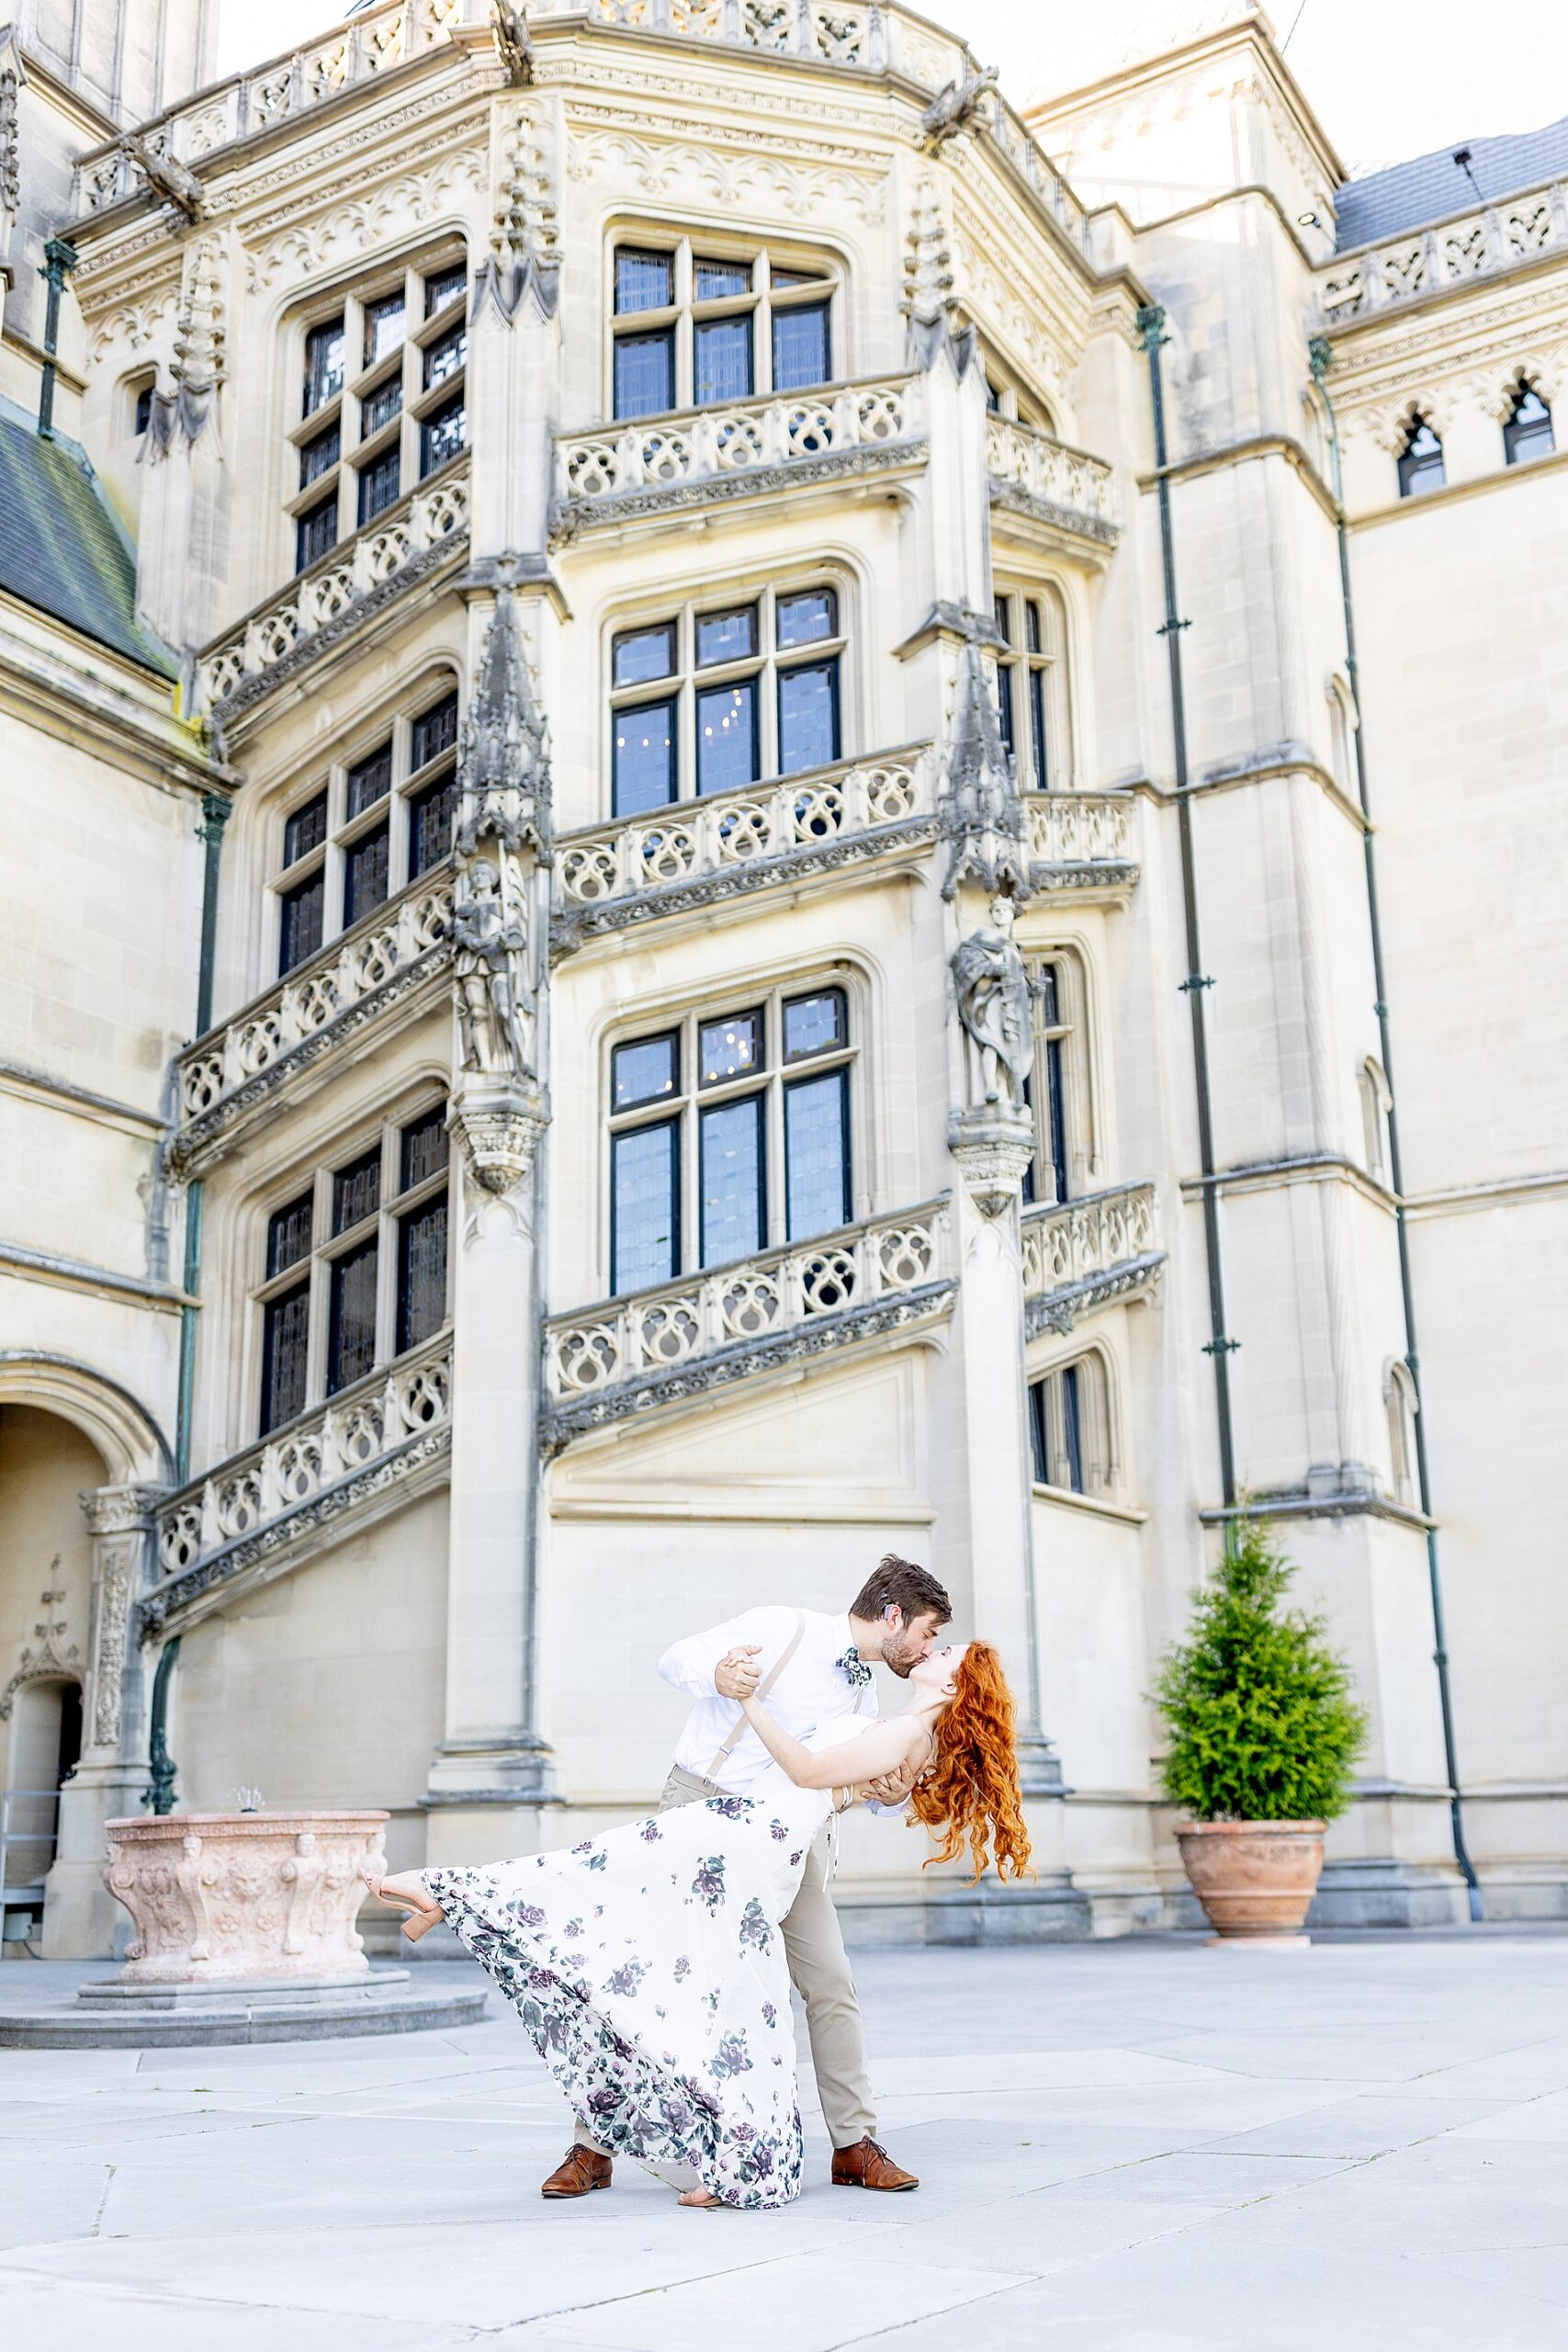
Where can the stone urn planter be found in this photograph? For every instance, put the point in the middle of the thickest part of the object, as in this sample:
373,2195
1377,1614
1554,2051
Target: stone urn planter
1254,1879
243,1898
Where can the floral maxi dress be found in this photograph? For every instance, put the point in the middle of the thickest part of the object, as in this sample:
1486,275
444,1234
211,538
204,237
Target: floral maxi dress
649,1968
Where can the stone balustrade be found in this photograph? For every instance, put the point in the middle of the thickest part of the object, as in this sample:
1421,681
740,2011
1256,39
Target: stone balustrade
693,851
653,1347
365,1442
1038,475
427,527
861,36
694,455
1075,833
247,104
1078,1254
233,1069
1483,242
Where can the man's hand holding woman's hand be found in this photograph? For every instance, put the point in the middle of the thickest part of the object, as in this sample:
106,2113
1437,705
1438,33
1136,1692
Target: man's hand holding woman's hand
736,1675
893,1788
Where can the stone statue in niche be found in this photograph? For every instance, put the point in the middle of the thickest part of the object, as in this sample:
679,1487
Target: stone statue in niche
996,1007
496,1006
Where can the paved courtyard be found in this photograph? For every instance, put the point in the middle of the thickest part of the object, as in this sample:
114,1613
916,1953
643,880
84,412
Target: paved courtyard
1126,2148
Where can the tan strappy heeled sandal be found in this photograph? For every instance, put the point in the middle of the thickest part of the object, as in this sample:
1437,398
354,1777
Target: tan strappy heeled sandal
418,1918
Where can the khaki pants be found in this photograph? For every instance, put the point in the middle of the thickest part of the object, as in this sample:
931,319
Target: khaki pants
820,1971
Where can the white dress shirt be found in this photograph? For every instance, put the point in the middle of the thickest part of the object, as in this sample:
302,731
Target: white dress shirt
812,1691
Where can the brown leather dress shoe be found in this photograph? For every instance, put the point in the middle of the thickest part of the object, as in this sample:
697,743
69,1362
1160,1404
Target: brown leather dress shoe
579,2170
868,2165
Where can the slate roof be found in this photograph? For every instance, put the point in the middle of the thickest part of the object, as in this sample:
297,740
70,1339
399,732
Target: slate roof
63,546
1431,188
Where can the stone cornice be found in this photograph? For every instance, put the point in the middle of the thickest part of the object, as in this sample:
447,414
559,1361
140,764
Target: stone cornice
1064,520
1061,1310
688,1383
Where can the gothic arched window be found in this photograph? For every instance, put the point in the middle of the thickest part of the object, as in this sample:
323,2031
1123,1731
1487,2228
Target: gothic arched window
1032,684
1071,1426
1400,1401
1420,460
1526,431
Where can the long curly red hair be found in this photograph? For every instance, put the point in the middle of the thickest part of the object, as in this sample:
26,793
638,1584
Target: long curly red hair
970,1793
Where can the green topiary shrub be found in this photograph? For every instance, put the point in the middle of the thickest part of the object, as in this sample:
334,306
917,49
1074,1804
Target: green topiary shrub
1262,1723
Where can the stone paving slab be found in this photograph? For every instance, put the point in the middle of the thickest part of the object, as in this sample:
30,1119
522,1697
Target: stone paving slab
1148,2147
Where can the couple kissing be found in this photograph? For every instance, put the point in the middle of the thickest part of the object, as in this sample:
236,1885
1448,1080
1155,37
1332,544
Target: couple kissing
652,1966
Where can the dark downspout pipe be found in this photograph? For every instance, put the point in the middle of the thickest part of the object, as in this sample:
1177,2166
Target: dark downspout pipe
58,261
214,816
1220,1347
1321,358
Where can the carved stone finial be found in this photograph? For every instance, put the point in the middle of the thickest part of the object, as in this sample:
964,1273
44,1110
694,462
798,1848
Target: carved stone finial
185,412
514,42
982,817
956,107
930,299
166,175
523,263
52,1658
13,78
503,758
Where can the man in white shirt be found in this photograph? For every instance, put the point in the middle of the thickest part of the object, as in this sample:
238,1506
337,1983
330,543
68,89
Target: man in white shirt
816,1668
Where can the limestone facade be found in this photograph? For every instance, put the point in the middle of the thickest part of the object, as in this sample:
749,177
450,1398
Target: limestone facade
654,513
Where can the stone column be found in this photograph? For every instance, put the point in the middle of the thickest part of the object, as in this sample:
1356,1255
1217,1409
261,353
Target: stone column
491,1771
81,1922
991,1136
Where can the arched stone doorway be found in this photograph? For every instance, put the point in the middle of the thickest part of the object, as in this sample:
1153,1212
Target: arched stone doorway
80,1468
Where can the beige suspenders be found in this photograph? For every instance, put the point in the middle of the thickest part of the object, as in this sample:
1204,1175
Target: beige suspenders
763,1687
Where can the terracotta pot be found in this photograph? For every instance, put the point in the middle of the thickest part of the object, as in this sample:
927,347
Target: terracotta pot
1254,1879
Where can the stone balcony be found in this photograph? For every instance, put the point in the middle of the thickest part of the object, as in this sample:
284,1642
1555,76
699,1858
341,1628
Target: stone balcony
279,637
761,836
1081,841
1043,480
703,457
681,1341
231,1077
364,1453
1486,241
1082,1254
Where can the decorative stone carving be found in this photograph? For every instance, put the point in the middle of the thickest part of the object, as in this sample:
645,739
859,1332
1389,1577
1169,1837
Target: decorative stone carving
1081,1254
504,759
992,1150
13,78
119,1518
165,174
982,817
995,997
184,414
243,1897
513,43
523,263
937,322
496,1004
958,105
54,1660
500,1137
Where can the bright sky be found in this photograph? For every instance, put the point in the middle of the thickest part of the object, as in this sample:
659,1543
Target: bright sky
1387,79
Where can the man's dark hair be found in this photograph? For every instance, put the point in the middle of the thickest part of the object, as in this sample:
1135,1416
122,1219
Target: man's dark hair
916,1591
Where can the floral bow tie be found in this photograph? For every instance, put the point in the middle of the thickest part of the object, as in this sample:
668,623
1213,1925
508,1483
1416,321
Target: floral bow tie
854,1668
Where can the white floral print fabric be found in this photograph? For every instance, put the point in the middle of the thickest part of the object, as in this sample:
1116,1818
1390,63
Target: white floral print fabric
648,1969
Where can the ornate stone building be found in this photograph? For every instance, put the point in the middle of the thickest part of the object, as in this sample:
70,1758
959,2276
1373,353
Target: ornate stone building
729,899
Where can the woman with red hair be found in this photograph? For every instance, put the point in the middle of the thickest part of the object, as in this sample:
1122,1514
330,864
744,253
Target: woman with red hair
648,1965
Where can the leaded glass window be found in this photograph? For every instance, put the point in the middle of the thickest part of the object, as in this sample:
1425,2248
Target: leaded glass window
746,691
728,1134
327,1318
1420,467
1070,1428
695,330
382,403
350,848
1049,1089
1528,432
1032,684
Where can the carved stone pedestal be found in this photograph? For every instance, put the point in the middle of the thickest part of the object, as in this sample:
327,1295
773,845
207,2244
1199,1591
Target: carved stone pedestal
245,1933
